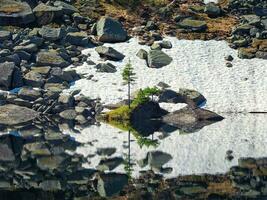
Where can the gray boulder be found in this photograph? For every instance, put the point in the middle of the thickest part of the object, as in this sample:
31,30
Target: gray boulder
10,76
30,48
77,38
28,93
69,114
212,10
66,8
106,67
45,14
110,30
142,54
157,159
15,13
13,115
50,58
192,97
33,79
109,53
5,35
51,34
158,59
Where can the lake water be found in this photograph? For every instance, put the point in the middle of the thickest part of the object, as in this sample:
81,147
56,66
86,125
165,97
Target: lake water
59,162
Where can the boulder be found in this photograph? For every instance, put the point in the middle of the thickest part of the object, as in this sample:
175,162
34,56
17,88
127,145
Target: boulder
105,151
13,114
50,185
66,8
110,30
50,58
142,54
49,162
192,97
5,35
158,59
51,34
212,10
156,159
69,114
247,53
77,38
30,48
45,14
33,79
193,25
109,53
28,93
170,96
166,44
109,164
106,67
10,76
111,183
15,13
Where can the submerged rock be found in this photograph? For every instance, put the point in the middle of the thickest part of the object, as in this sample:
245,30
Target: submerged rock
110,30
13,114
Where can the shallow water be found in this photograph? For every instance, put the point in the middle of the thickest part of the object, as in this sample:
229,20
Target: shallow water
60,163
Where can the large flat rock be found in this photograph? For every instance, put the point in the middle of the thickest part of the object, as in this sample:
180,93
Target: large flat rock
13,114
15,13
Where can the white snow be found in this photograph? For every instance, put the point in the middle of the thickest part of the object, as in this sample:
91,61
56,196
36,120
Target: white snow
209,1
196,153
198,65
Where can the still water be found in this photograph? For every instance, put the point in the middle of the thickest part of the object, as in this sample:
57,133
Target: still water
206,162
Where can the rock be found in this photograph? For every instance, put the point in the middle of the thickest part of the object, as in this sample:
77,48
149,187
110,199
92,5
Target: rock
156,159
142,54
212,10
109,53
158,59
109,164
28,93
110,30
193,25
170,96
69,114
45,14
6,150
106,67
50,58
51,34
246,53
229,58
6,71
187,118
77,38
260,11
156,46
247,163
253,20
66,99
13,115
242,29
166,44
34,79
49,162
50,185
105,151
229,65
192,190
111,183
41,70
192,97
15,13
66,8
5,35
261,54
30,48
23,55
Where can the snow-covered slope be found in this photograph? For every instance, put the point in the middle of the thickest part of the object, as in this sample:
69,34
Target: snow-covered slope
198,65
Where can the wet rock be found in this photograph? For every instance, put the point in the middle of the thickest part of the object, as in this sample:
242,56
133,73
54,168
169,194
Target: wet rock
28,93
45,14
5,35
105,151
106,67
69,114
110,184
109,53
77,38
157,159
51,34
33,79
110,30
142,54
50,58
15,13
193,25
158,59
